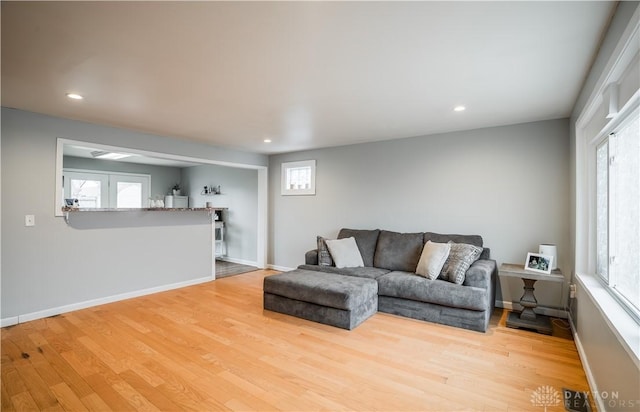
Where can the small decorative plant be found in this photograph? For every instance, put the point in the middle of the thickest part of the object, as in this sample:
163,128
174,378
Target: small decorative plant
176,189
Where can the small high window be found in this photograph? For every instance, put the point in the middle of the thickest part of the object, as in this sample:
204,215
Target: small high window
299,178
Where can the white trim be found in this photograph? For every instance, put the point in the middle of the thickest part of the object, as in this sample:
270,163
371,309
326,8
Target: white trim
105,172
620,59
622,325
58,199
60,153
541,310
239,261
99,301
263,217
8,321
262,241
213,248
280,268
591,381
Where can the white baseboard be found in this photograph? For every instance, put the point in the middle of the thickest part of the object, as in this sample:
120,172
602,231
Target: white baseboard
593,388
542,310
100,301
280,268
238,261
8,321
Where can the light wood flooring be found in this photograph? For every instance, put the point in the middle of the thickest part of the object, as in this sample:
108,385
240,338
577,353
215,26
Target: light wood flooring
212,347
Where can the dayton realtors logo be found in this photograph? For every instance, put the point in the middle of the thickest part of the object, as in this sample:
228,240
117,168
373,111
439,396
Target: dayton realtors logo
546,396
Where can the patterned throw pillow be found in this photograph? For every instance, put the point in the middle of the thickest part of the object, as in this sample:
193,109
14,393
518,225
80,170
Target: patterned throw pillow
324,257
461,256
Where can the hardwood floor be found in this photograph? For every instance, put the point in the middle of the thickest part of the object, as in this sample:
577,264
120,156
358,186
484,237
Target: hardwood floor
211,347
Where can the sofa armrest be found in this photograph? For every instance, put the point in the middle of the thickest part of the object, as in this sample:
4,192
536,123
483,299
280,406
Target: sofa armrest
311,257
482,274
486,253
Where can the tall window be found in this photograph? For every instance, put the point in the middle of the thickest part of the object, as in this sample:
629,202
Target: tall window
618,211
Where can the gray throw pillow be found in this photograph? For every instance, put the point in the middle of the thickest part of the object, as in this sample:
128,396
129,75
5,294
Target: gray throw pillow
461,256
324,257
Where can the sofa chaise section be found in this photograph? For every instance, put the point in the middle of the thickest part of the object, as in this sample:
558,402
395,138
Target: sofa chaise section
341,301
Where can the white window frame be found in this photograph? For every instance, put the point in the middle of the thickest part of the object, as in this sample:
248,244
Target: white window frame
143,179
287,167
614,95
109,196
77,174
610,280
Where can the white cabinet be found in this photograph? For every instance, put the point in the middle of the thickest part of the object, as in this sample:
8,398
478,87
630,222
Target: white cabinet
177,202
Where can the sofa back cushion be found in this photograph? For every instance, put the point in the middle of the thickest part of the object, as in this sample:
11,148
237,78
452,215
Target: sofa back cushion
366,241
398,251
475,240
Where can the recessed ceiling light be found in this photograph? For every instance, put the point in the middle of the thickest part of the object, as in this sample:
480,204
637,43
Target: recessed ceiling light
267,140
459,109
100,154
74,96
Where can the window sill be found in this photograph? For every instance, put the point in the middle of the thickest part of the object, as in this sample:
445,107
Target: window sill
621,323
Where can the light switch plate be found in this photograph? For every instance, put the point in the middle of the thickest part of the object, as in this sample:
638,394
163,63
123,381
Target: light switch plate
29,220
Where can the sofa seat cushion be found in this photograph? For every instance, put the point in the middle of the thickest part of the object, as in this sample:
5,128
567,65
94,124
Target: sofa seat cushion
324,289
360,272
366,241
407,285
398,251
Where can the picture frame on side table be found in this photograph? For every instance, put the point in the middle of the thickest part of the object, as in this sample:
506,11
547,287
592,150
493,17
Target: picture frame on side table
537,262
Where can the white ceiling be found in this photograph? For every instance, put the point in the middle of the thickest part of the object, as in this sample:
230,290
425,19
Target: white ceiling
304,74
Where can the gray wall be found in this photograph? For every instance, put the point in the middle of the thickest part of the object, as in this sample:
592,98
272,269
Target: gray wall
611,365
162,177
54,264
509,184
239,189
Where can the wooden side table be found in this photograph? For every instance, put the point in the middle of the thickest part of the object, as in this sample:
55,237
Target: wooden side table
528,318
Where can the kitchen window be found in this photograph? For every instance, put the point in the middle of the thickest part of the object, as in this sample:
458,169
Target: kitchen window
96,189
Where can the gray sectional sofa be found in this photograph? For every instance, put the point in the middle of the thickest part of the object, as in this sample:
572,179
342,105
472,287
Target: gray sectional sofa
345,297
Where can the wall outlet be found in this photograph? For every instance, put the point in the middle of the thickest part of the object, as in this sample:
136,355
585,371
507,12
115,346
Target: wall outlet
572,291
29,220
